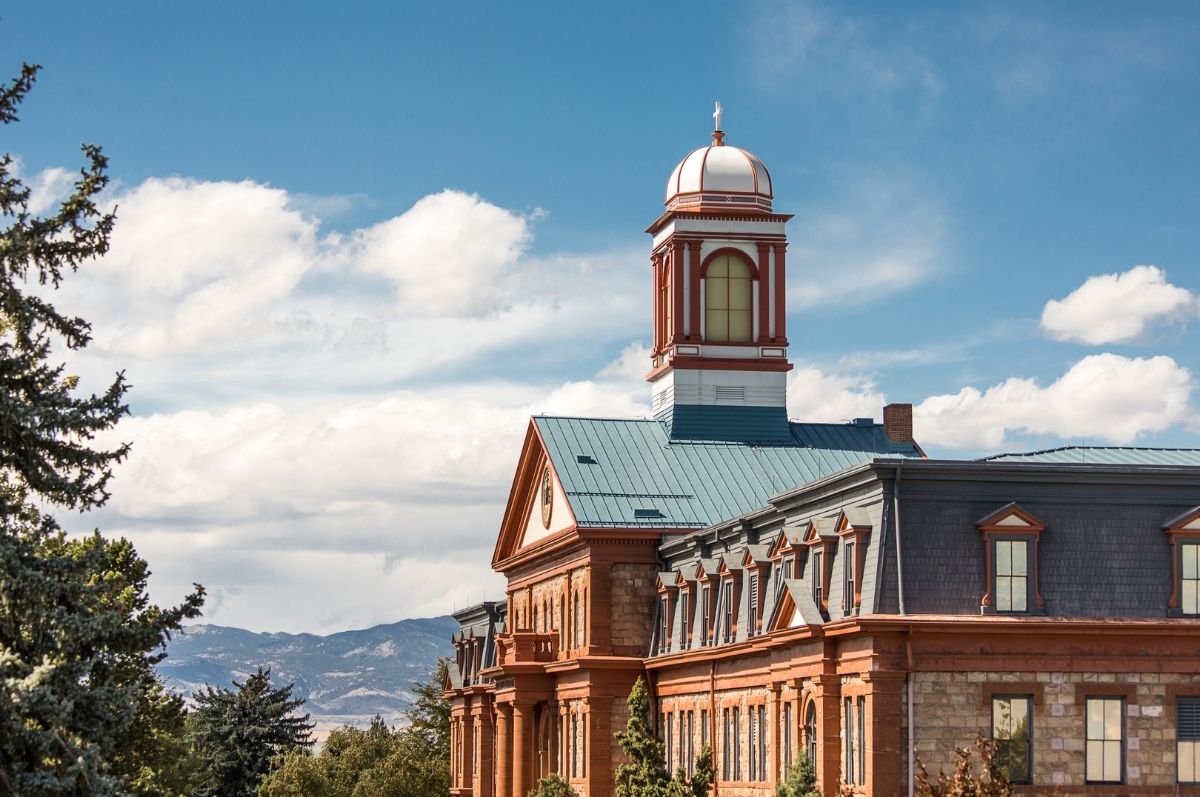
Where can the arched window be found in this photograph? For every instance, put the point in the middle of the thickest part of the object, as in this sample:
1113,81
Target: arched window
810,732
728,308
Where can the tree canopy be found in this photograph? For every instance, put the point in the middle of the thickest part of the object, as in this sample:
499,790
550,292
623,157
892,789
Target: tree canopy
644,771
81,710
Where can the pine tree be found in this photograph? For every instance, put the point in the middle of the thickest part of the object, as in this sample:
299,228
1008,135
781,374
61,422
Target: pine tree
45,428
800,779
552,786
644,773
237,732
81,711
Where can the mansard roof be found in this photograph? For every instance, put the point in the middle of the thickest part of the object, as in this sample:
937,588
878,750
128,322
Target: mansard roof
1105,455
630,473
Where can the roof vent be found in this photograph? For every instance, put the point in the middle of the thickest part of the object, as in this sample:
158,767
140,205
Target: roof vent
729,392
863,422
646,514
585,459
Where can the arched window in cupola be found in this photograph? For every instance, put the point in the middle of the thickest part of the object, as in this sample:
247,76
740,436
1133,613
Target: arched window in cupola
728,302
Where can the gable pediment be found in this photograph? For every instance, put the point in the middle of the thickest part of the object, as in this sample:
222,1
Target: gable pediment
1188,521
537,507
1011,517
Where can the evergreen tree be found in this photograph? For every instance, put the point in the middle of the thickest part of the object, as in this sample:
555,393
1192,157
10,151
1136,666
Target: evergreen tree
643,774
377,761
237,732
45,429
552,786
81,711
800,779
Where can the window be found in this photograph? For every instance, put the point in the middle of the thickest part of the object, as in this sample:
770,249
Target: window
762,742
1190,574
737,743
861,740
754,760
810,732
728,307
664,626
848,572
574,745
583,746
703,727
707,619
691,749
668,727
817,577
752,619
727,617
1105,740
726,739
1012,575
1187,736
685,621
787,736
848,730
1012,733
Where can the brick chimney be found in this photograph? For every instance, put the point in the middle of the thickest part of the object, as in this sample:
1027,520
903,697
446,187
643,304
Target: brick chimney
897,423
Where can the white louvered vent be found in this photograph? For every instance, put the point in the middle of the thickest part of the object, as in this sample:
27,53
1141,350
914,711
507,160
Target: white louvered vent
729,393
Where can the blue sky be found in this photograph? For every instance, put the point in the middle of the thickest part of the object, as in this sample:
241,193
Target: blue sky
995,220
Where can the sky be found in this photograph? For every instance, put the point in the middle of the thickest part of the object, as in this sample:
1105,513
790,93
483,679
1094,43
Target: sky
358,244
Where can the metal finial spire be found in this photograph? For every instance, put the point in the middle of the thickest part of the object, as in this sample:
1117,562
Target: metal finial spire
717,116
718,135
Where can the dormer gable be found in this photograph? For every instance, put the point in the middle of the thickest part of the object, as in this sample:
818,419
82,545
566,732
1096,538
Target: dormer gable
1011,517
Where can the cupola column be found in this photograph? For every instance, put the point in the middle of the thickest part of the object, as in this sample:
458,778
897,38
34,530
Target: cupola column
656,302
677,257
778,278
694,289
764,292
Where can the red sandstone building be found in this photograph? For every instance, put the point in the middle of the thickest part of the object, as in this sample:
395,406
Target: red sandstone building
821,587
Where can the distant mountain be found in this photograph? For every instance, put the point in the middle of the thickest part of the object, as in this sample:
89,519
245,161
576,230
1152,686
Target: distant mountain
347,677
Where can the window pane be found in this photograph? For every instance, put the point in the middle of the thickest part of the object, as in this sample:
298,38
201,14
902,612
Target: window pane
1189,560
719,267
1018,558
1095,719
1095,760
1112,761
1112,719
1189,597
1003,558
717,325
1003,594
1187,761
740,325
1019,586
739,294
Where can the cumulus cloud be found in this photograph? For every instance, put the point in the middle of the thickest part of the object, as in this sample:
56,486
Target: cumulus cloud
820,397
1102,397
448,255
1118,308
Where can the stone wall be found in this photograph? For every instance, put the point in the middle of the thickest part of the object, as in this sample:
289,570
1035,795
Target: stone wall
952,709
632,613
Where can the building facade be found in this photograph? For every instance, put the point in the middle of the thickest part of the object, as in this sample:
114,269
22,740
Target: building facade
825,588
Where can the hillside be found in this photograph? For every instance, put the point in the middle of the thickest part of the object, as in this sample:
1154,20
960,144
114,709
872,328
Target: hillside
347,677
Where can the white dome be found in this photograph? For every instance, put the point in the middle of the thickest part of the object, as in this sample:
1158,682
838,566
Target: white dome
720,175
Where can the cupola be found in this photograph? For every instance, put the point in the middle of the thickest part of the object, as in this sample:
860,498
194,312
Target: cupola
719,356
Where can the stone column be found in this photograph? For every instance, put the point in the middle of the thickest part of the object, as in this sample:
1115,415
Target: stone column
522,746
884,745
764,292
504,760
829,731
780,278
776,732
694,308
466,738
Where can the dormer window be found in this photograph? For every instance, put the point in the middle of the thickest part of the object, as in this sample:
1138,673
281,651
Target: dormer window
727,610
1184,533
664,625
1010,537
818,579
820,536
728,307
752,618
685,628
706,610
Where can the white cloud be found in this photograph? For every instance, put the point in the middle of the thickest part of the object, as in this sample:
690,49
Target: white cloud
820,397
1102,397
50,187
1118,308
448,255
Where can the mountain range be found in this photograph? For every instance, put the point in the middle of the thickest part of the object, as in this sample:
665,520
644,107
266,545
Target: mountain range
345,678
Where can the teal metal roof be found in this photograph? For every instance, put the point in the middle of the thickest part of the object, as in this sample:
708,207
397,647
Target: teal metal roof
1105,455
629,473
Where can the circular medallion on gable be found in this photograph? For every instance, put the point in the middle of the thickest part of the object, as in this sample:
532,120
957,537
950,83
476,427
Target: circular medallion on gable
547,497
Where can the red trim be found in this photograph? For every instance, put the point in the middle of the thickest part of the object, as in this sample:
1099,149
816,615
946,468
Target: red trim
655,291
780,279
721,214
733,251
694,283
764,293
676,331
1174,532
